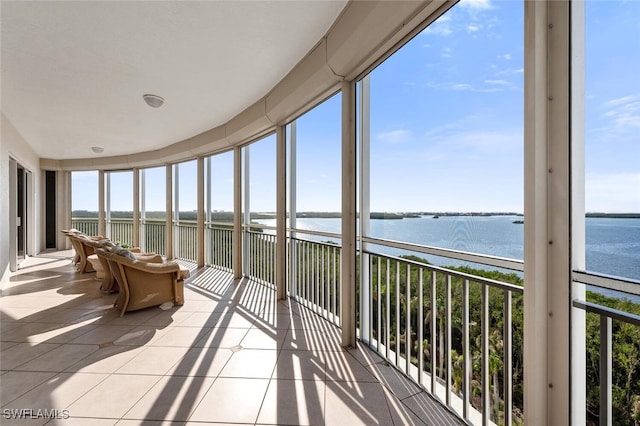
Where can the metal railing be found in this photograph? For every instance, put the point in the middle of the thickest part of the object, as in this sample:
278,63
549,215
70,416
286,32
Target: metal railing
219,245
314,276
260,254
186,240
449,331
120,231
612,345
85,225
154,235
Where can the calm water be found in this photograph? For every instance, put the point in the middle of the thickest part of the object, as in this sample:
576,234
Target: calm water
612,245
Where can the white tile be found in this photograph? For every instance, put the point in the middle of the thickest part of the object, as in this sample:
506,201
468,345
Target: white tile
231,400
294,402
113,397
201,362
251,363
171,398
17,383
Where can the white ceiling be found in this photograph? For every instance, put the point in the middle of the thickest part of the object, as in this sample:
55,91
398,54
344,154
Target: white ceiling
73,73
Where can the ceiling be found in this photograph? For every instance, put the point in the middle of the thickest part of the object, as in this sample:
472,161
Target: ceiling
73,73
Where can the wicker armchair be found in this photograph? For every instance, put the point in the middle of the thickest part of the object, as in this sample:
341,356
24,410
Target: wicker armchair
144,284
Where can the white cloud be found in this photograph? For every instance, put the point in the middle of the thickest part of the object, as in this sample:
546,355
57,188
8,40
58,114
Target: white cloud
622,115
472,28
476,4
394,136
612,192
498,82
442,26
506,56
446,52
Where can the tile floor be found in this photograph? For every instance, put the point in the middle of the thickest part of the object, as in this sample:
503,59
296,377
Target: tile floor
231,355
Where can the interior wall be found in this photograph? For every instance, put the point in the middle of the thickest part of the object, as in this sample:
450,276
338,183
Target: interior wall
13,145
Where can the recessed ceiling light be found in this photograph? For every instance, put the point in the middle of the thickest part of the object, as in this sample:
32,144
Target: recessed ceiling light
153,101
97,149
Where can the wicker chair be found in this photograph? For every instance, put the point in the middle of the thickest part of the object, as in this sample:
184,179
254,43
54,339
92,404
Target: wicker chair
144,284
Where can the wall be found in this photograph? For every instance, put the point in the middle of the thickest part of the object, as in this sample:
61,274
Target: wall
13,145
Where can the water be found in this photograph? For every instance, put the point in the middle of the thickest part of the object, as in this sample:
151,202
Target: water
612,244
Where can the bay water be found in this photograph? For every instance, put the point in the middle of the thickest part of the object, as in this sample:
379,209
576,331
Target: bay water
612,244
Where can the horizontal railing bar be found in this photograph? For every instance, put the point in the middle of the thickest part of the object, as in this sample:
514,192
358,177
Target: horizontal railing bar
610,282
473,278
608,312
316,233
224,225
485,259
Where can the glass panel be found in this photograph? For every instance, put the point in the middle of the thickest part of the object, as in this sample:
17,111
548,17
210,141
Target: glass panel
447,134
84,201
220,188
318,139
185,204
612,137
154,210
612,199
262,180
120,207
219,207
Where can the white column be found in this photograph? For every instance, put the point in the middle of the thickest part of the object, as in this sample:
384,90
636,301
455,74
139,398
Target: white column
136,207
13,215
578,316
200,214
63,207
102,230
547,264
143,209
237,212
365,207
246,187
169,212
292,142
349,182
281,213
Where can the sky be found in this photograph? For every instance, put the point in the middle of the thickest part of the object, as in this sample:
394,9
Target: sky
447,124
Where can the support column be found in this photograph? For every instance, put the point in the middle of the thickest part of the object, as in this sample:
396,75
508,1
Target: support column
102,228
13,215
578,222
547,260
63,207
349,246
281,213
136,207
169,216
293,265
237,212
200,214
365,208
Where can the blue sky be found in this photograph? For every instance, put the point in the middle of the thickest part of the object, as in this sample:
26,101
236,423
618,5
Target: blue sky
447,123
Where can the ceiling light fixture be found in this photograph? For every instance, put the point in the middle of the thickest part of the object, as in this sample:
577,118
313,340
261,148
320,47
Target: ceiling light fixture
97,149
154,101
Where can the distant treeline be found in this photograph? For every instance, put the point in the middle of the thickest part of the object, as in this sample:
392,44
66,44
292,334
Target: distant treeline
225,216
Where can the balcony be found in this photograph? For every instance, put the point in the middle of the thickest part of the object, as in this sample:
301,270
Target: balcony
460,362
231,354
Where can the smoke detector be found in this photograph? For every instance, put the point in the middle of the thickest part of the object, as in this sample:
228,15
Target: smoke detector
154,101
